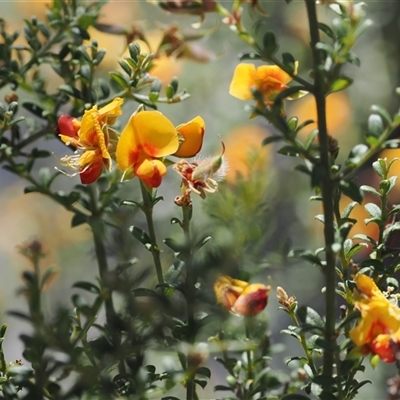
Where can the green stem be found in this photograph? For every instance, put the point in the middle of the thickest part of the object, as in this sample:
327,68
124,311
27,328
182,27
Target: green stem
155,251
190,282
250,371
303,342
327,194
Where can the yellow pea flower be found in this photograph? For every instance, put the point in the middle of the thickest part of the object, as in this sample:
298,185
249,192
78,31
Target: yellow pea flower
148,137
90,137
379,325
269,80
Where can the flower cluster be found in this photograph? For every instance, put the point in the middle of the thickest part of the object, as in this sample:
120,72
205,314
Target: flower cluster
241,297
140,150
379,327
148,137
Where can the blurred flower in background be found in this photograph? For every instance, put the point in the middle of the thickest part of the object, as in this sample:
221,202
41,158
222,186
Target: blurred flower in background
241,297
244,151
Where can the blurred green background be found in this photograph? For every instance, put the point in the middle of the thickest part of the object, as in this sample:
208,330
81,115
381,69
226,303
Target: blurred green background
286,213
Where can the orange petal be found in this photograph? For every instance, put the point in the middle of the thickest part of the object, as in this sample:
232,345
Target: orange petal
192,133
155,133
243,81
253,299
273,73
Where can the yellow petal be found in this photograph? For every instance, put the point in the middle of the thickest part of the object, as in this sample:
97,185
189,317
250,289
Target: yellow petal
192,132
68,140
127,152
227,290
367,286
88,157
112,110
243,81
87,132
155,133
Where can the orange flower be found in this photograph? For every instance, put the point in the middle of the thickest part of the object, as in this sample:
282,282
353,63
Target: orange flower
241,297
90,137
379,325
269,80
148,137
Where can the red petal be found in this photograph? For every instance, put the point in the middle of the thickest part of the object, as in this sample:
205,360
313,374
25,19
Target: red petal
66,127
91,172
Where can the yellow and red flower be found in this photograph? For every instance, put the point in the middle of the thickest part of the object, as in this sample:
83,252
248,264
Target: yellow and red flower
148,137
90,137
241,297
379,326
269,80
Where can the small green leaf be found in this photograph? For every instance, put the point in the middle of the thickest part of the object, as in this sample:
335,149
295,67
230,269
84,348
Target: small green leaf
327,30
249,56
310,139
119,79
88,286
141,236
382,112
131,203
174,271
201,382
201,243
289,62
33,108
369,189
340,84
292,123
346,212
373,210
357,154
302,168
289,151
308,315
379,168
270,47
355,249
204,371
350,189
175,245
375,125
271,139
78,219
